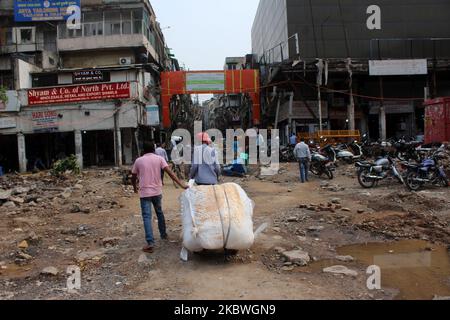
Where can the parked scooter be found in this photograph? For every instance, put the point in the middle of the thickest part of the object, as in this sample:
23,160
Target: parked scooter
330,153
343,154
370,173
428,172
357,150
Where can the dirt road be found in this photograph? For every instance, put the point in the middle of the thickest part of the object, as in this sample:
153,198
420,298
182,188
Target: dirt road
97,226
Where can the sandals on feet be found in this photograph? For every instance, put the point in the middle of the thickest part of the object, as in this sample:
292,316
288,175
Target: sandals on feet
148,249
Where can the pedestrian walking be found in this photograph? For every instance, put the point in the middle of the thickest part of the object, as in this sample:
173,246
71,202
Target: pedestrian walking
303,156
161,151
147,170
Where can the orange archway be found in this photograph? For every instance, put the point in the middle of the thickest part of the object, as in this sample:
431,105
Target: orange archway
210,82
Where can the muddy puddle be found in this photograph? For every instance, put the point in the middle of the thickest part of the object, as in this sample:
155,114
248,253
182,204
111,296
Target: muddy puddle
12,271
420,270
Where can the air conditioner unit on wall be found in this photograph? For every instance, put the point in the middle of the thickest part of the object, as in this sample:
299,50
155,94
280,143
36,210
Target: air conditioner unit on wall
125,61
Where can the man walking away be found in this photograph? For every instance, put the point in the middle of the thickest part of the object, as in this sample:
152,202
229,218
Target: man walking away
161,151
303,155
205,166
148,170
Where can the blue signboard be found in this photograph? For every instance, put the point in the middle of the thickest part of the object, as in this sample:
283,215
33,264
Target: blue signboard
42,10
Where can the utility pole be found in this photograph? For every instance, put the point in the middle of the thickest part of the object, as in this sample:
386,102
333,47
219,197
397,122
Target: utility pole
382,115
277,112
351,106
117,136
319,82
291,107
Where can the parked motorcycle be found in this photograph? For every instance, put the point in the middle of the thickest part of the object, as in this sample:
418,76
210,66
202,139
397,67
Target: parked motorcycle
406,151
321,165
370,173
287,154
427,172
370,149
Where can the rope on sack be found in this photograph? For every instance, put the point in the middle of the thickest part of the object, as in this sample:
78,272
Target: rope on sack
194,231
225,238
229,222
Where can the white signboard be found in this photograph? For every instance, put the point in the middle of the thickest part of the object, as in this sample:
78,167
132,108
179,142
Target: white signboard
153,115
205,81
392,107
7,122
398,67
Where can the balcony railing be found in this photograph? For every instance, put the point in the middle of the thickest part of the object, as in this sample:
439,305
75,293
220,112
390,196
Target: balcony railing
108,28
24,47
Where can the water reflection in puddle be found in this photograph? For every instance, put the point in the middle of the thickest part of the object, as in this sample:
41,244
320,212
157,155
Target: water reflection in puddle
420,270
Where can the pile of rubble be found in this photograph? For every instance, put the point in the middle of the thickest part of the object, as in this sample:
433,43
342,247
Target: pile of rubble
446,159
325,185
408,226
44,193
407,202
23,193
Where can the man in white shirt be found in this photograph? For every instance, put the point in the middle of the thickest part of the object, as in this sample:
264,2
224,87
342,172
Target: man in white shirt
303,155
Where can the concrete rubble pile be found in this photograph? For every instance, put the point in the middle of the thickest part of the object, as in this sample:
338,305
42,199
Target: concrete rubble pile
446,159
43,192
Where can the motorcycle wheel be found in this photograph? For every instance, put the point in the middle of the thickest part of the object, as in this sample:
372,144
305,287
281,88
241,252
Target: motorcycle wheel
329,174
444,182
365,182
316,171
411,181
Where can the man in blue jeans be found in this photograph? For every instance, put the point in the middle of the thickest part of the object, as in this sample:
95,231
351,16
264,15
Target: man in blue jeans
303,155
147,169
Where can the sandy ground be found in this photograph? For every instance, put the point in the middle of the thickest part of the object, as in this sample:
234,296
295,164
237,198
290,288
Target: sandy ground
105,241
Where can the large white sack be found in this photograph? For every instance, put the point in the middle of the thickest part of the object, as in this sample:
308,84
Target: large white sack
217,217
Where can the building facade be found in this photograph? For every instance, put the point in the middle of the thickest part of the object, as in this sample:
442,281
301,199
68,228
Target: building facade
83,91
230,110
364,57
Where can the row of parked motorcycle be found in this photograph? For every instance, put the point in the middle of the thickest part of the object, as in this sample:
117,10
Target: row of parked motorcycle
408,161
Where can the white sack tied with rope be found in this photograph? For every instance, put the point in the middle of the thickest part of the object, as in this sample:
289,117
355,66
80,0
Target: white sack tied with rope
217,217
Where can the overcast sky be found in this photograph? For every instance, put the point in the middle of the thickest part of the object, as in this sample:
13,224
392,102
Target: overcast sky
204,32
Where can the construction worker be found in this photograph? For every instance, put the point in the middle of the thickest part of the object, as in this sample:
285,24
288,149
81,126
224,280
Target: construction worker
205,168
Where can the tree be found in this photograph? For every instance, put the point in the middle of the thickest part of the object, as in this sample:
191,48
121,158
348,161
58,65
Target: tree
3,96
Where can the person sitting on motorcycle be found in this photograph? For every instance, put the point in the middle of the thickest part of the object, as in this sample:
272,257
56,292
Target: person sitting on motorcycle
303,155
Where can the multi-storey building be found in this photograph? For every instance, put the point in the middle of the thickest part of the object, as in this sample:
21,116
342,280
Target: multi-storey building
83,91
377,62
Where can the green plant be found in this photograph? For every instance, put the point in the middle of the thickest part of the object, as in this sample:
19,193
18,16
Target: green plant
3,96
67,164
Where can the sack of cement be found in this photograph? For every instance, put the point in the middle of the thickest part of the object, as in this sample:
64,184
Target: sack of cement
217,217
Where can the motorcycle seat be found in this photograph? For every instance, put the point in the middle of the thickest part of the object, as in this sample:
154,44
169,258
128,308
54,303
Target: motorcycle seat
365,164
